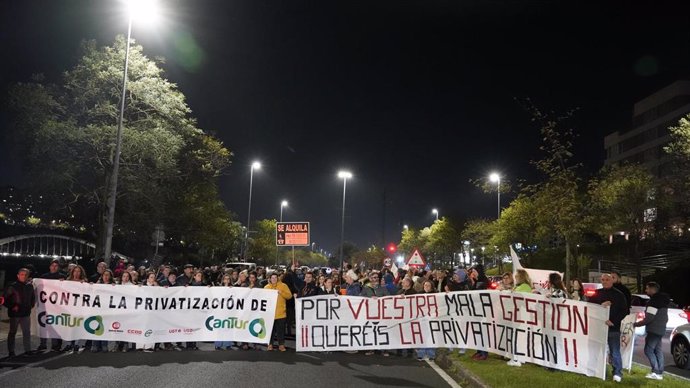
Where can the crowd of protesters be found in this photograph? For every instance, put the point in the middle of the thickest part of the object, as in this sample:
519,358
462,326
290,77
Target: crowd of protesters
294,283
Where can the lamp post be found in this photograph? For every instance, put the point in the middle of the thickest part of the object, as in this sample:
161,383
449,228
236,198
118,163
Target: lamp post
255,166
283,204
136,9
494,177
435,211
344,175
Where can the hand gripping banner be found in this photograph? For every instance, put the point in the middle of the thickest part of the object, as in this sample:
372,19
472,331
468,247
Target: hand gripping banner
73,311
561,334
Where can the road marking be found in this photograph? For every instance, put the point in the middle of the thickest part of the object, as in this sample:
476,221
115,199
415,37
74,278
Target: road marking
37,363
443,374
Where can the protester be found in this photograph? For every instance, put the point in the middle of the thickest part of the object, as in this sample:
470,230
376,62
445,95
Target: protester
242,280
226,281
309,288
53,274
458,282
354,288
374,289
253,280
329,288
506,282
428,353
611,296
655,318
477,280
524,285
406,287
77,274
284,295
106,278
19,298
150,279
577,291
186,277
618,284
556,288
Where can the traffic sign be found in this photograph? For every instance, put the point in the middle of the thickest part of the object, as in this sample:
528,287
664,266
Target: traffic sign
416,259
296,234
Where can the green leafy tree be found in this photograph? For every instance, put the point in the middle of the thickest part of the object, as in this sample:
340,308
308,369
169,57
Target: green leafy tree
676,186
262,242
67,131
443,241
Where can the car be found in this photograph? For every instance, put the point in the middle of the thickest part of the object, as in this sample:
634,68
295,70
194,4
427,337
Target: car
240,265
494,282
676,316
680,346
591,288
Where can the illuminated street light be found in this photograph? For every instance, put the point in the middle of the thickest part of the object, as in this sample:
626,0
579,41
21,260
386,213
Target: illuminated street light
494,177
255,166
435,211
140,10
344,175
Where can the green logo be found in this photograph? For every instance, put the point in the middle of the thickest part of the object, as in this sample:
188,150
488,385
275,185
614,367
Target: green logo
89,322
261,334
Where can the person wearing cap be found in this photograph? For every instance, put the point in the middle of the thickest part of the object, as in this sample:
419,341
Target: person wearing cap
52,274
186,278
20,299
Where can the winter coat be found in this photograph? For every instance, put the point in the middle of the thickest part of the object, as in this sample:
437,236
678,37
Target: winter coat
656,314
283,295
19,296
619,306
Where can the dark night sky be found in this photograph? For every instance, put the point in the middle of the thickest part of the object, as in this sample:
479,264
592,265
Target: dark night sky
414,97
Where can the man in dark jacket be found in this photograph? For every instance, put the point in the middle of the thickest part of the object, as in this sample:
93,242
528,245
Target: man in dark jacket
53,274
19,300
186,278
618,284
655,318
609,296
309,289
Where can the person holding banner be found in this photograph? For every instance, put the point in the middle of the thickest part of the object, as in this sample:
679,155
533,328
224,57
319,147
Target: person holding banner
430,353
613,298
523,284
226,281
477,280
284,295
328,288
354,288
19,299
76,274
655,318
54,274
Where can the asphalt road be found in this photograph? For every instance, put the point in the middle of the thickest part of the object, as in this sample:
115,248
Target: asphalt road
209,368
638,356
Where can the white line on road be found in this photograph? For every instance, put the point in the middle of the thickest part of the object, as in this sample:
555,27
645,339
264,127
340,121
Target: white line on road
443,374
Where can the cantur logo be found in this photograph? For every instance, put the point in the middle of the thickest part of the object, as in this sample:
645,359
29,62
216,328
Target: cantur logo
92,325
257,327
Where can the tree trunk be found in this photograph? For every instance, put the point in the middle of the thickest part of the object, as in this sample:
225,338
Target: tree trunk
568,258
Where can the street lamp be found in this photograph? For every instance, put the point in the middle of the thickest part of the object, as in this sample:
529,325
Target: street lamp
435,211
137,9
255,166
344,175
406,227
283,204
494,177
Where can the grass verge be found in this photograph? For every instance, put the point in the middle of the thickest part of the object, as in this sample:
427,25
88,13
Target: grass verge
495,373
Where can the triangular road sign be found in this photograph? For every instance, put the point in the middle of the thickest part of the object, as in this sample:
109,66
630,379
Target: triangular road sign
416,259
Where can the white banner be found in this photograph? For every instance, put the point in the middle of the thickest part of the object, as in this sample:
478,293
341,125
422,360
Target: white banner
539,277
73,311
561,334
628,340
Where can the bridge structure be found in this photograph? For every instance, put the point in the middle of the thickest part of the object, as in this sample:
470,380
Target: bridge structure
49,246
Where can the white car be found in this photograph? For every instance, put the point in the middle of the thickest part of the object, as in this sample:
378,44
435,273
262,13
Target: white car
680,346
676,316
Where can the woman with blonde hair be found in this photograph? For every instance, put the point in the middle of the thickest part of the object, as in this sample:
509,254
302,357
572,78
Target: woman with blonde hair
522,284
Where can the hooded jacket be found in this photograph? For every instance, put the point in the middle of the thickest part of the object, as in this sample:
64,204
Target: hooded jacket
656,314
283,295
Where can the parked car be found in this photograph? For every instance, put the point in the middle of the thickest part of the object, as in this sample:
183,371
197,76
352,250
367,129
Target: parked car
676,316
241,266
680,346
591,288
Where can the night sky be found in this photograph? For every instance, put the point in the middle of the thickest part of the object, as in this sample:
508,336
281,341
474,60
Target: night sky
414,97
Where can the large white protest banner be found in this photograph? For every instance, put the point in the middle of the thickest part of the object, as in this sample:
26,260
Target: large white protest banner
539,277
561,334
73,311
628,340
